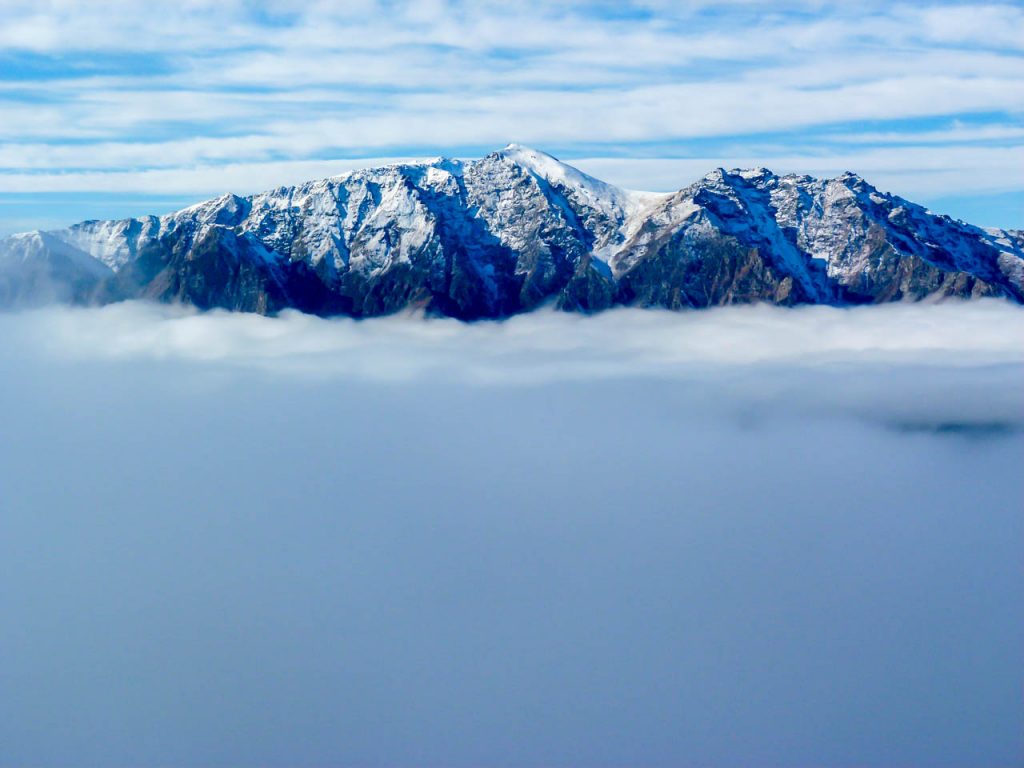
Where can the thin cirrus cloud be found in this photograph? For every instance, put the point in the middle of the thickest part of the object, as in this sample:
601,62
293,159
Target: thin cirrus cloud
116,98
915,172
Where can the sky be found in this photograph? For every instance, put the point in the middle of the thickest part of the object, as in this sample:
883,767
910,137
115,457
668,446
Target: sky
749,536
114,108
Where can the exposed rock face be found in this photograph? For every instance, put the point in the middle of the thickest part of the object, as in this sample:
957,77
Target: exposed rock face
513,230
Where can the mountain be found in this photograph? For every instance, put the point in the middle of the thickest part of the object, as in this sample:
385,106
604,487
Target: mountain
516,229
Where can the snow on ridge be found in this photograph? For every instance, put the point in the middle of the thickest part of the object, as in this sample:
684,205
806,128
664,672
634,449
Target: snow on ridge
595,191
383,214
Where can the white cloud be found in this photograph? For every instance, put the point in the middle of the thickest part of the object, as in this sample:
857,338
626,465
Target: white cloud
788,529
230,97
917,173
304,123
993,24
927,365
911,172
958,133
542,345
240,178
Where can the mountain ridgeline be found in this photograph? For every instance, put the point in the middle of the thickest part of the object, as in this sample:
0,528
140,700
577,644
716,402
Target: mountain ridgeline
512,231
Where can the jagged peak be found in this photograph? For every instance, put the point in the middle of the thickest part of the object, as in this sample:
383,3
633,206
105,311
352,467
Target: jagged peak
224,199
515,151
757,174
853,179
796,178
541,163
451,165
760,173
381,219
734,182
545,166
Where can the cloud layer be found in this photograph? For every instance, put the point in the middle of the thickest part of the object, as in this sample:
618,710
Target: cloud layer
952,363
189,97
737,537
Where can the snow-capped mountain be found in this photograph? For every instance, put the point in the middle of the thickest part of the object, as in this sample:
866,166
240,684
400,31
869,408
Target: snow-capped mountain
515,229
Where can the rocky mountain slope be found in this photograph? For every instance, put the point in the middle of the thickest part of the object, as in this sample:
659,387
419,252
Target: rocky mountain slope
516,229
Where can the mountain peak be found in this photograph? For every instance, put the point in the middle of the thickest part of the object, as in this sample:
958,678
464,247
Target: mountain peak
513,147
518,228
851,177
554,171
532,159
759,173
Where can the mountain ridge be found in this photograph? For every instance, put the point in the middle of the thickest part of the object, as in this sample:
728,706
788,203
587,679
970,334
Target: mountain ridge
512,230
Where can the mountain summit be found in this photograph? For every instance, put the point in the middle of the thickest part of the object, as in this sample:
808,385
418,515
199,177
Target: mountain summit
516,229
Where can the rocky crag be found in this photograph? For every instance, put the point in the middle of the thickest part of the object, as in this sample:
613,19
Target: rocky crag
512,231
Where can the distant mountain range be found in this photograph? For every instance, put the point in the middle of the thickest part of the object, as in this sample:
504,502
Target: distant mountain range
512,231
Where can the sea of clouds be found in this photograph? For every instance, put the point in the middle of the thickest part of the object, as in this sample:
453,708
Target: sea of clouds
745,536
956,363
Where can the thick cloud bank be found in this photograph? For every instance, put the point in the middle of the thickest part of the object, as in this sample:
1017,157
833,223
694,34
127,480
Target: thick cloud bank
539,346
741,537
954,363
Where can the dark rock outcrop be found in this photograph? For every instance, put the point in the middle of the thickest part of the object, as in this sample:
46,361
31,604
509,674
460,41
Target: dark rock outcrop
514,230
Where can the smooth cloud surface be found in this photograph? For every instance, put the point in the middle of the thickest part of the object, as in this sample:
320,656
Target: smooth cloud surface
907,361
621,342
745,536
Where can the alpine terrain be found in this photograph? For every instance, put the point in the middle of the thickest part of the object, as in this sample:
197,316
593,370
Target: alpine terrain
515,230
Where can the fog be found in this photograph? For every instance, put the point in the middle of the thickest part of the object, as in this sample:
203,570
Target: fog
740,537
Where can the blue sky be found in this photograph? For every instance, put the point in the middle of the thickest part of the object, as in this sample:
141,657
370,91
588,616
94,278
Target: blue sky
121,108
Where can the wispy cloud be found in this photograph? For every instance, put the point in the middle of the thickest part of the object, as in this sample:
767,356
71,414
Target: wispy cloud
124,95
